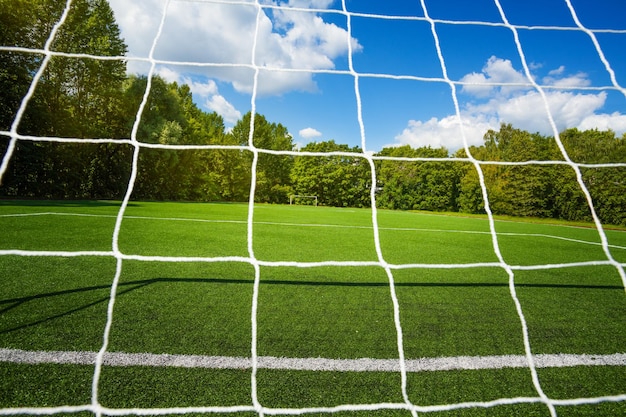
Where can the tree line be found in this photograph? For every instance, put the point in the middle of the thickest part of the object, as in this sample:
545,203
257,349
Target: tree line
96,98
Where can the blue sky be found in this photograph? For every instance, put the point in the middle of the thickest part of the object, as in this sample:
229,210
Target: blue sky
305,81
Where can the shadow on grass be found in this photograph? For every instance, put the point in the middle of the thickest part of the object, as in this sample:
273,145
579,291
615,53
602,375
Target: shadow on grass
128,287
16,302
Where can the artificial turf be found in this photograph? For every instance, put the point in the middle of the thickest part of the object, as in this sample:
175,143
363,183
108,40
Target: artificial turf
188,301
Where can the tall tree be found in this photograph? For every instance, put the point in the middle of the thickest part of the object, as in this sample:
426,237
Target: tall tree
337,180
522,190
606,185
170,117
273,183
418,185
27,24
75,97
81,95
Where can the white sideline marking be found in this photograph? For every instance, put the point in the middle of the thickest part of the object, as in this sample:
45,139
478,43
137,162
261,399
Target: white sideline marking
407,229
310,364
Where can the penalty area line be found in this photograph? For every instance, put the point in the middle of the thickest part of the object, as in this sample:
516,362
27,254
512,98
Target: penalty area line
310,364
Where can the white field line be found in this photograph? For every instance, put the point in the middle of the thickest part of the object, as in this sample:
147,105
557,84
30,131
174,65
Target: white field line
244,222
310,364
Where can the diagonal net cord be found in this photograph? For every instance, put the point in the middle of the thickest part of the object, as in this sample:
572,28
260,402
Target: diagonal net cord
494,237
579,179
379,253
31,90
555,131
596,44
518,305
603,238
118,222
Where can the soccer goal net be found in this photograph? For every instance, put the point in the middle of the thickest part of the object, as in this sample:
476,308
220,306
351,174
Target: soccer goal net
303,199
354,311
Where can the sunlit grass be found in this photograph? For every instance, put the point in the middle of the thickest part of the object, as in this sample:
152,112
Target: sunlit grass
343,312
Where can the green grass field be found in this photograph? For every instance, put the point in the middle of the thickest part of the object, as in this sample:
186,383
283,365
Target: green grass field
325,307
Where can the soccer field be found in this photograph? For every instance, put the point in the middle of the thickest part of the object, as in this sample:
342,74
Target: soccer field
203,308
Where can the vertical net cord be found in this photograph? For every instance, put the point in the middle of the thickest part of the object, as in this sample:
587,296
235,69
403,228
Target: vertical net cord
31,90
379,253
557,138
257,269
492,229
603,238
118,222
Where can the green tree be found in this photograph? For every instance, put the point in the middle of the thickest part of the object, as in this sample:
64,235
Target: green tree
273,181
470,198
200,127
81,95
170,117
548,190
517,190
75,97
418,185
163,110
27,24
229,175
606,185
337,180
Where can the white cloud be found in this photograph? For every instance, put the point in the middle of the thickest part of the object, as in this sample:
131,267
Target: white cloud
168,74
207,94
202,89
614,121
557,71
477,85
313,4
495,71
224,33
309,133
138,21
446,132
577,80
523,107
528,111
221,106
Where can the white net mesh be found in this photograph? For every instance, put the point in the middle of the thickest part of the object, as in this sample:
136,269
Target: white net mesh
255,63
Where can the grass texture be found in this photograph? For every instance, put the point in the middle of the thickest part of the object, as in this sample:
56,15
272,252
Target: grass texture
448,306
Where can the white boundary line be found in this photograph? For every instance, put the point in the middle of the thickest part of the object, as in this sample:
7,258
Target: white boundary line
244,222
309,364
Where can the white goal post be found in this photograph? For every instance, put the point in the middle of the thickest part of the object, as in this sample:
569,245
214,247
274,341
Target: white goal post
294,197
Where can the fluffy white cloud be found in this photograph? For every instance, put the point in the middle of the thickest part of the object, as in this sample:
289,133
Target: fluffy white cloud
221,106
445,132
208,88
523,107
528,111
221,33
496,71
572,81
139,22
614,121
309,133
308,4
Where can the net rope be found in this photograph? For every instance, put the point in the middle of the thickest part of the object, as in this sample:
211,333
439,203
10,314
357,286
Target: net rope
256,406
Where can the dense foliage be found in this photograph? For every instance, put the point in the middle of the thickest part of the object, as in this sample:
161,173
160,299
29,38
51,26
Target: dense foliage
95,98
